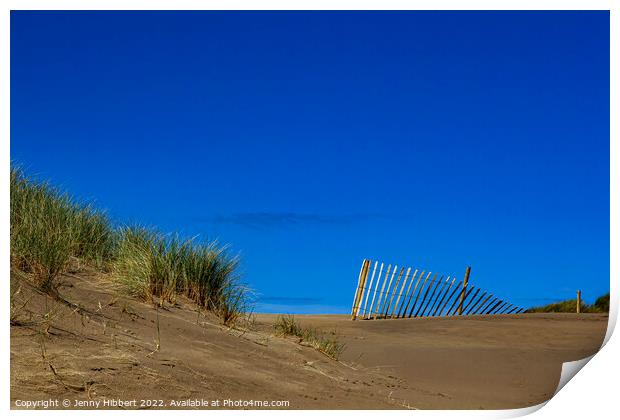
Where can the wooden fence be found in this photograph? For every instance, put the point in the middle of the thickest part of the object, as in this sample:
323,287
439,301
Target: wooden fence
393,292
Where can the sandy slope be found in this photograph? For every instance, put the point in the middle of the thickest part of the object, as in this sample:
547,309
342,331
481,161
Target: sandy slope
105,349
503,361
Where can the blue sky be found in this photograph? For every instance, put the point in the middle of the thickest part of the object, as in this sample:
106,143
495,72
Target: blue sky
311,140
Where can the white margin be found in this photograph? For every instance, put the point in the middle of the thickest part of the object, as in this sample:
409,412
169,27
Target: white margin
594,397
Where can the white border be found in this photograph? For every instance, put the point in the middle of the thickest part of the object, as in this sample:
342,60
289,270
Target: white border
308,5
591,395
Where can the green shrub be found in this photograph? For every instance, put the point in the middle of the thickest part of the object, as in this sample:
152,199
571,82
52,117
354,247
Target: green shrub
570,306
601,304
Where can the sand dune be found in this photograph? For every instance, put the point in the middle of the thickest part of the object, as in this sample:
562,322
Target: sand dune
503,361
106,349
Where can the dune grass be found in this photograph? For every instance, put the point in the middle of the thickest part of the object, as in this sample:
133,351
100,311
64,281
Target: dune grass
150,264
50,230
601,305
286,325
49,227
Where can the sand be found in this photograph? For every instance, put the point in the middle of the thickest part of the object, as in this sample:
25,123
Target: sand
502,361
105,350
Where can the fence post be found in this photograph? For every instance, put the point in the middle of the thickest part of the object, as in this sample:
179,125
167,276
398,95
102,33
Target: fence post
465,281
360,288
578,301
359,280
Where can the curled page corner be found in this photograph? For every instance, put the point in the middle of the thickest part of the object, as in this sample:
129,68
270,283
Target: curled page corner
520,412
570,369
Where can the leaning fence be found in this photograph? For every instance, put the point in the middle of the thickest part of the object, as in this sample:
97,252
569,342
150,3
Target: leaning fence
410,292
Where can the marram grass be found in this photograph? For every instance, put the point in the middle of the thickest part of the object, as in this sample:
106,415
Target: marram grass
50,229
286,325
150,264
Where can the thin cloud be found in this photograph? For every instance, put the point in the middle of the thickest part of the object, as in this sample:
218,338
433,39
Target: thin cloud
270,220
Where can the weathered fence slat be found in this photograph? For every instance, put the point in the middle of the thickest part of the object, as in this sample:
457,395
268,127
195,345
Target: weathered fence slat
400,294
490,311
363,287
504,308
375,292
420,308
508,309
456,311
419,293
471,309
360,289
430,298
467,305
387,291
423,294
445,293
368,290
489,305
479,307
500,308
400,275
516,308
359,281
402,305
436,304
445,305
377,308
457,302
413,293
497,310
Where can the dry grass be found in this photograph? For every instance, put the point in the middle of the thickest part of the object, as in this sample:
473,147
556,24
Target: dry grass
328,344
